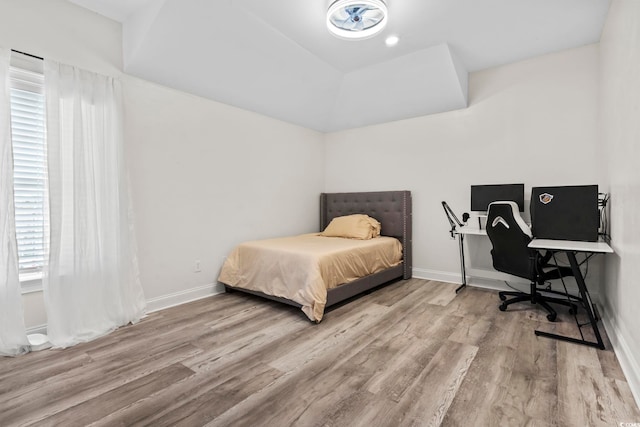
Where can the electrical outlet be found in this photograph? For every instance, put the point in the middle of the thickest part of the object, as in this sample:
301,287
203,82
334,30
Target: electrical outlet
196,266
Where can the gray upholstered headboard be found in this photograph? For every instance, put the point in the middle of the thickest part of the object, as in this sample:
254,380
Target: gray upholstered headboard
391,208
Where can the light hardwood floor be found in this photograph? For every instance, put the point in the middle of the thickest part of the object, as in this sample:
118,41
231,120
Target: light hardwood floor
411,353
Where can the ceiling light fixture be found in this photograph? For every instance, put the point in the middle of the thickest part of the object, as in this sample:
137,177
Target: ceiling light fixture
392,40
356,19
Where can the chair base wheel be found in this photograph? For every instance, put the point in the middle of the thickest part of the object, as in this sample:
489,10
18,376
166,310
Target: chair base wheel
502,297
551,317
503,307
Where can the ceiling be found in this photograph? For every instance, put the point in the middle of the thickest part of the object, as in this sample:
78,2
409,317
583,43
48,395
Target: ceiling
277,58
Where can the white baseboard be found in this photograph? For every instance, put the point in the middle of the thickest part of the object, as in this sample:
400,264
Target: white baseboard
40,329
188,295
628,361
440,276
162,302
488,279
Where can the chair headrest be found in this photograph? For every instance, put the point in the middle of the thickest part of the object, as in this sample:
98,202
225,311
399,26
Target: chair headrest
503,212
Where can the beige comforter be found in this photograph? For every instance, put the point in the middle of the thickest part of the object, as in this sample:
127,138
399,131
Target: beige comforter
302,268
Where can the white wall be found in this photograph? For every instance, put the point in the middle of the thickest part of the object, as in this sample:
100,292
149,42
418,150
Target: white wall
620,125
207,176
204,175
533,122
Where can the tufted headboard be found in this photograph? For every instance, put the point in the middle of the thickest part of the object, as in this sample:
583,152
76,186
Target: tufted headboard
391,208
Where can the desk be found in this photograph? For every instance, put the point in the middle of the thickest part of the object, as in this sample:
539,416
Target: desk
571,248
461,232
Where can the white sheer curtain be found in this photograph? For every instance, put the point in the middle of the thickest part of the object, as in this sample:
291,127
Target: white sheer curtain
91,283
13,335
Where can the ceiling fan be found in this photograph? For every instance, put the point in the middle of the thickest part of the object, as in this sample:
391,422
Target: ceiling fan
356,19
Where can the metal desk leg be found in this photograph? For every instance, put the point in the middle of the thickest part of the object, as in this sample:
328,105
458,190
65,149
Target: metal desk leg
586,302
462,266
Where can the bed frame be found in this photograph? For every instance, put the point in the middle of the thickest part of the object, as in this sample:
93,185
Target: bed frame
392,209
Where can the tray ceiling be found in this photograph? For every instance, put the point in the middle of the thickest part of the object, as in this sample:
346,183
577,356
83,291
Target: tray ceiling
278,59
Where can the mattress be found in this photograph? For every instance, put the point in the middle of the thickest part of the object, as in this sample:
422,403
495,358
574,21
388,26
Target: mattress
302,268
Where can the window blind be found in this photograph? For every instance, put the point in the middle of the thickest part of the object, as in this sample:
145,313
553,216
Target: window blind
30,166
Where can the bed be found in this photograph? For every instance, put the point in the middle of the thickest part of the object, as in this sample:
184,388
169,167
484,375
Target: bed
247,267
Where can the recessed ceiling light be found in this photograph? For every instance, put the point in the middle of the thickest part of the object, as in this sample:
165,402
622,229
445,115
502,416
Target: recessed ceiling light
356,19
392,40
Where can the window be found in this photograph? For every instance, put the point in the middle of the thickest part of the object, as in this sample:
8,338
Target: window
29,163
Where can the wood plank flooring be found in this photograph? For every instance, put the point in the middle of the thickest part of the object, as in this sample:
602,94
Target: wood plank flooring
410,354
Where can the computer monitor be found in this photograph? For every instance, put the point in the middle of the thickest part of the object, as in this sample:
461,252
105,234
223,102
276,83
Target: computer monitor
483,195
565,212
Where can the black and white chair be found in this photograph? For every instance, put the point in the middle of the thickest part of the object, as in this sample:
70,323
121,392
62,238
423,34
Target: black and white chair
510,236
